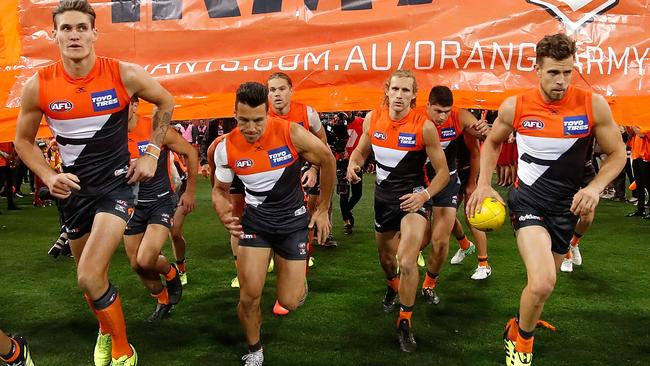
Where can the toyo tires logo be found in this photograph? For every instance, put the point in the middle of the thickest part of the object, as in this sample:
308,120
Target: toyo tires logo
575,13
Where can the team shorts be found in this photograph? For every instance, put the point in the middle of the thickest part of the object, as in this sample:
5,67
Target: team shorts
463,177
388,214
560,226
291,246
78,212
448,196
237,186
159,212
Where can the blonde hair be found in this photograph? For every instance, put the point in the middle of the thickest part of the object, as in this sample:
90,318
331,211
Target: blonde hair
401,74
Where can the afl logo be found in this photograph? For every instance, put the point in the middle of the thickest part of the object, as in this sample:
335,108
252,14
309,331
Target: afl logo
379,135
244,163
532,124
60,106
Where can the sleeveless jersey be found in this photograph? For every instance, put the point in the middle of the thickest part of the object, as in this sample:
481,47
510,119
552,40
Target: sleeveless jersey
553,140
270,171
88,117
399,153
297,114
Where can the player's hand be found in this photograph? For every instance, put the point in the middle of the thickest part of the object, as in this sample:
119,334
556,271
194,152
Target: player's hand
142,169
187,202
309,178
585,201
62,184
353,172
481,126
205,170
233,226
412,202
321,219
475,201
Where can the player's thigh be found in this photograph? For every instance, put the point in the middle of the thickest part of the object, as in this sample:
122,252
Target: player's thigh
291,278
132,245
534,243
77,246
412,230
443,220
102,242
387,242
154,239
252,263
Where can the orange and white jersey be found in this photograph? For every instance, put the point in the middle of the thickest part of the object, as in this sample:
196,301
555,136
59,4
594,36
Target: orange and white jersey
270,171
399,153
301,114
88,117
553,140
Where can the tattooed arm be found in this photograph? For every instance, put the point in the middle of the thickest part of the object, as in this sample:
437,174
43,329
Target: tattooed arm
140,84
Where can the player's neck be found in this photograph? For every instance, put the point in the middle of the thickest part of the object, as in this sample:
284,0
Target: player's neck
396,116
80,68
284,111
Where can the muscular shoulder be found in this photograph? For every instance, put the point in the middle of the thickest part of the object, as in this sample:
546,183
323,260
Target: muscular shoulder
507,109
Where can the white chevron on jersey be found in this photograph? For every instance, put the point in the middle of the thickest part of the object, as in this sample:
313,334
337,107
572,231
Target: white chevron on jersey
78,128
70,153
260,182
222,172
386,157
444,144
544,148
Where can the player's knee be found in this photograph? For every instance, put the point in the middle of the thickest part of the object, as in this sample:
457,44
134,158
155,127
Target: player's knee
408,265
289,302
542,287
249,300
88,281
147,260
386,260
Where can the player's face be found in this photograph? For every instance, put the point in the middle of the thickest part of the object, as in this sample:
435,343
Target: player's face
437,113
74,35
251,121
400,93
554,77
279,93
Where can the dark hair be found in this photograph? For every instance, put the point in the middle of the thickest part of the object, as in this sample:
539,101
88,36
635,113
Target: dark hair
557,46
253,94
74,5
280,75
441,95
401,74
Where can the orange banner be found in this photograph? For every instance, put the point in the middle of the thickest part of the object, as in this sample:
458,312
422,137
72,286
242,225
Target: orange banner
339,52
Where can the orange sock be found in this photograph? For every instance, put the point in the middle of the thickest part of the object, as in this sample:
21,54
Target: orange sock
430,280
102,329
405,315
181,266
575,240
464,243
483,261
568,255
16,354
524,345
162,297
113,318
393,283
513,329
170,274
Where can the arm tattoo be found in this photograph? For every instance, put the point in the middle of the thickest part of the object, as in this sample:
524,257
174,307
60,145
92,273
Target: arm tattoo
160,123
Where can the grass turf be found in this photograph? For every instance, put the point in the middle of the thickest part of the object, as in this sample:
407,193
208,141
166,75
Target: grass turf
601,310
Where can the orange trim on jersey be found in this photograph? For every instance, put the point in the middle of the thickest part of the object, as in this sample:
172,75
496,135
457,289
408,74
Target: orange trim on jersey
297,114
405,134
99,93
274,149
571,117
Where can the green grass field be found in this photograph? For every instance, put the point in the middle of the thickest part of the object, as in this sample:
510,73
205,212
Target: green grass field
601,310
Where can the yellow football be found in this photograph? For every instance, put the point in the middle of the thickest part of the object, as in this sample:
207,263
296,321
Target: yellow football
491,217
